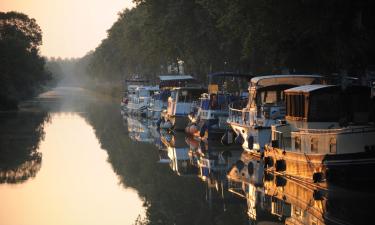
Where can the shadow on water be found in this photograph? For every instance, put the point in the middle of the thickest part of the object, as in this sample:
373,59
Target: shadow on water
170,199
20,135
21,132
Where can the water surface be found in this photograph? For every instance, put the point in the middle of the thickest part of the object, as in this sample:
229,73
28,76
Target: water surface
69,157
54,171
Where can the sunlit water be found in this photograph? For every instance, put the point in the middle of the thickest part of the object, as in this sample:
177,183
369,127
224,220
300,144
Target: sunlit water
75,183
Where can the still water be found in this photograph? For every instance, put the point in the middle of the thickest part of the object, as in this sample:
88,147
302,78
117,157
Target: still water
70,158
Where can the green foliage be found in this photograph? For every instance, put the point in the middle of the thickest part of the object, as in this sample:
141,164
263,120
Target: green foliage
258,36
22,73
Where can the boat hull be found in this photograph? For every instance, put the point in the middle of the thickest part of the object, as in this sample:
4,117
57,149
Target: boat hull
260,136
206,129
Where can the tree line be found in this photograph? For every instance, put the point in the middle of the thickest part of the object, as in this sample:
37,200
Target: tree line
22,68
253,36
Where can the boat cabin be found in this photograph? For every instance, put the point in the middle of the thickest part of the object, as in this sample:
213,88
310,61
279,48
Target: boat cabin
328,103
324,119
266,101
183,99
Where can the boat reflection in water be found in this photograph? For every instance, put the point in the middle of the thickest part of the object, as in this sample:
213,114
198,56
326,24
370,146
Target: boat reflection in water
245,179
213,161
277,198
138,129
235,177
178,153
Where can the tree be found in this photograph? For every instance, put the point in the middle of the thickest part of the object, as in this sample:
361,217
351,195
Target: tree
22,72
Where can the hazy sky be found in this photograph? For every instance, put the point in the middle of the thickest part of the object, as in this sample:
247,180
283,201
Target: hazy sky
70,28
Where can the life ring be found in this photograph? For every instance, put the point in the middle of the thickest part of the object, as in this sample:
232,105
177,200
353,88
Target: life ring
250,142
202,131
317,177
240,165
239,139
250,168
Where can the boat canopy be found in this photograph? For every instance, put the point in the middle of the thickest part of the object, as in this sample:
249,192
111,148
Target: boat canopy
228,74
296,80
309,88
169,81
175,77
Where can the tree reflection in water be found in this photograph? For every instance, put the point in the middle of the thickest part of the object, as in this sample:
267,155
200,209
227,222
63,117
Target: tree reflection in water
169,199
20,136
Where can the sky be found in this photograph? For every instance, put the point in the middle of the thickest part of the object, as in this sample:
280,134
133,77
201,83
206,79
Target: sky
71,28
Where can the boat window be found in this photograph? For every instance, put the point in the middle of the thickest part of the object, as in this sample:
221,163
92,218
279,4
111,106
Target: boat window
314,145
189,95
332,145
324,107
297,143
268,97
295,105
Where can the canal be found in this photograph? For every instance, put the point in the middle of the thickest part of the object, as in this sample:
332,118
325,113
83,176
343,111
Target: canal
69,157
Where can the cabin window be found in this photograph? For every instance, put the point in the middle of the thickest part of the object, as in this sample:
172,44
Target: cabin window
324,107
314,145
269,97
332,145
295,105
297,143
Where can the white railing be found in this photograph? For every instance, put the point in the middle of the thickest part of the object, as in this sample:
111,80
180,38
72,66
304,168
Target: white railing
239,116
336,130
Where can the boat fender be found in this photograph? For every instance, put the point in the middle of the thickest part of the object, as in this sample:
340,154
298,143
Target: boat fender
318,195
250,142
158,123
317,177
203,130
226,154
268,161
268,176
280,165
250,168
240,165
187,129
193,129
202,146
227,138
168,124
280,181
239,139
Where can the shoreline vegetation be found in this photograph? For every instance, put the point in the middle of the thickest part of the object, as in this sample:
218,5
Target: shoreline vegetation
333,38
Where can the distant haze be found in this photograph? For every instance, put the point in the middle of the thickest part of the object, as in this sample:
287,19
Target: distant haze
70,28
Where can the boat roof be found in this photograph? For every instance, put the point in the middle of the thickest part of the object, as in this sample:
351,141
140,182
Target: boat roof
150,88
189,88
227,74
290,79
175,77
308,88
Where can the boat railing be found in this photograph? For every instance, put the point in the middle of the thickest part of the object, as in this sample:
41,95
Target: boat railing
336,130
238,113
